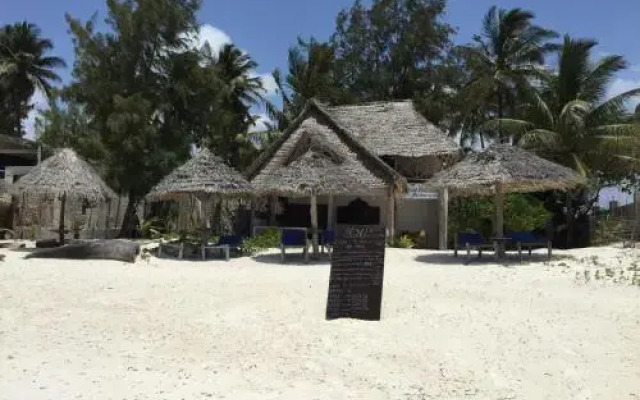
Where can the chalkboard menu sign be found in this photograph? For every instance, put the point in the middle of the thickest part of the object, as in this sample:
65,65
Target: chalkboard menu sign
357,270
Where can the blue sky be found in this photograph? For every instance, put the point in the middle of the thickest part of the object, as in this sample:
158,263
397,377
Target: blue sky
266,29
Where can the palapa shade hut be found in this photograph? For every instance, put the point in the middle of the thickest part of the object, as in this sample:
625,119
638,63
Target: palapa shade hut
317,156
204,177
64,175
503,169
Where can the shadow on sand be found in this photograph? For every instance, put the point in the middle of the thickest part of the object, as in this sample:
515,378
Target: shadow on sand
511,259
294,259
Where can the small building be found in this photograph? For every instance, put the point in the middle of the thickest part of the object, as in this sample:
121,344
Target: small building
17,157
362,164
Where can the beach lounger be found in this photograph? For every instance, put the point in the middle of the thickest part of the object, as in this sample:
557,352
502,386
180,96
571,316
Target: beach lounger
328,237
472,241
225,244
529,241
295,238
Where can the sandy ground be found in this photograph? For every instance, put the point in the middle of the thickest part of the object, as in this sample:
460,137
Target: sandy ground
255,329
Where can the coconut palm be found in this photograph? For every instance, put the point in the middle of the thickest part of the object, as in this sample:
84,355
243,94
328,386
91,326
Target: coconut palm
309,76
570,120
504,60
241,89
24,68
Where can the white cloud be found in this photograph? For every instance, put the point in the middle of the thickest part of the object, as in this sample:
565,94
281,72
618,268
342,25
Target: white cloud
261,121
635,68
40,103
620,86
214,36
269,84
217,38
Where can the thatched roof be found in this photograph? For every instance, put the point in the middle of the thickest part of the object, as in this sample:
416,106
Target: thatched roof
202,176
316,155
517,170
64,173
394,129
4,186
12,143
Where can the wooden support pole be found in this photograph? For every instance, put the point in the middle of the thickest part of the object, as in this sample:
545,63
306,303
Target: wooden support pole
63,203
499,228
106,220
314,225
443,219
330,213
391,214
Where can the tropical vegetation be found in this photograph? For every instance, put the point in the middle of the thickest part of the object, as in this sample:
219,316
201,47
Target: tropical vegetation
144,92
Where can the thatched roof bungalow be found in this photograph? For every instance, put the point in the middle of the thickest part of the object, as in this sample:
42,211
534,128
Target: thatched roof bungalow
364,154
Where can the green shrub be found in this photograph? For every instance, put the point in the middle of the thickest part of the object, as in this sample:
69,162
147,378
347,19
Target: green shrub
152,228
403,242
522,213
268,239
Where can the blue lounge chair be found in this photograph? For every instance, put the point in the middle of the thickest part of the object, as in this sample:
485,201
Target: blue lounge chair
530,241
225,244
472,240
328,237
295,238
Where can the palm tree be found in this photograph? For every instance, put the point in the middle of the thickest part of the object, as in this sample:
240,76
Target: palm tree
241,90
570,120
504,61
24,68
310,66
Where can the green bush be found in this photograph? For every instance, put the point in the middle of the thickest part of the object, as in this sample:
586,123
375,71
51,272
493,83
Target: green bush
268,239
522,213
152,228
403,242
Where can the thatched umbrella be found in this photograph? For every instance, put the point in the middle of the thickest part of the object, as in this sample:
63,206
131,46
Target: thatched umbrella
502,169
64,175
204,177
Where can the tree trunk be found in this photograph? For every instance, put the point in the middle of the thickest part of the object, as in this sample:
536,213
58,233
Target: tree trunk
569,207
129,219
17,122
500,116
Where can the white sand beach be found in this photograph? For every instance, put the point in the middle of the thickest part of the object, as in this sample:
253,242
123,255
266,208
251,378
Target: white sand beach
255,329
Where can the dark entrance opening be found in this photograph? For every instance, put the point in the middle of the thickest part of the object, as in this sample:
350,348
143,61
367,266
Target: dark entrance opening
299,215
358,212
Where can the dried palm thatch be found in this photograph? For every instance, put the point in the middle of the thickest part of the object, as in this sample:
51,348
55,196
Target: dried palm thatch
64,174
317,156
515,169
4,187
205,175
394,129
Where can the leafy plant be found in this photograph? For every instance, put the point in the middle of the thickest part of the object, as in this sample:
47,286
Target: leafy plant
152,228
403,242
522,213
268,239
